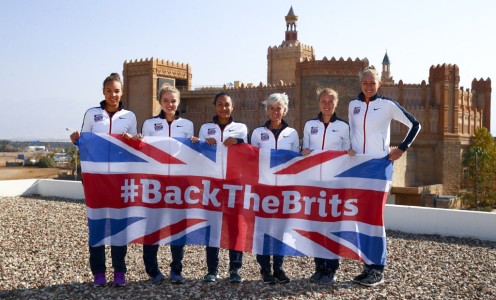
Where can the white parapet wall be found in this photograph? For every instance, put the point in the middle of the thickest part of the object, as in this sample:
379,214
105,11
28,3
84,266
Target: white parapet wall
411,219
43,187
446,222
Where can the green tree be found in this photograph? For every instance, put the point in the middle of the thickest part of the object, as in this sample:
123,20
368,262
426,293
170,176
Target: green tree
74,161
479,164
47,162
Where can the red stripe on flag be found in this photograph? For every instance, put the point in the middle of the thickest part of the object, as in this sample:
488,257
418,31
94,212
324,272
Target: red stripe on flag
237,222
329,244
167,231
310,162
151,151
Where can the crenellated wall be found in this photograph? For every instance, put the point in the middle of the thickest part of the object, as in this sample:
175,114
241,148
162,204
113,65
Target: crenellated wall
141,83
282,60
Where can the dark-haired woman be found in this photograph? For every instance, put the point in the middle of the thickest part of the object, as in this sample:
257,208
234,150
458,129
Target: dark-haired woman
109,118
225,131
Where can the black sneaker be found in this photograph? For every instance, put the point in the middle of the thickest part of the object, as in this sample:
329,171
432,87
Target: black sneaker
374,277
267,278
362,276
316,276
281,276
234,276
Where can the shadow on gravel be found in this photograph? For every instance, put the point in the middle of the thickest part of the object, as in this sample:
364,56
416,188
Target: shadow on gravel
441,239
191,289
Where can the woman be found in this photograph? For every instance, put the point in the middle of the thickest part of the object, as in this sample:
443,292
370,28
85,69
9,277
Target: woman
223,130
326,132
275,134
167,123
370,116
109,118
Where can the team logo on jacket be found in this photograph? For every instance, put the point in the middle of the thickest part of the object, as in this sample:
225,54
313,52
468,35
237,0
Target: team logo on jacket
158,126
211,131
98,118
356,110
264,136
314,130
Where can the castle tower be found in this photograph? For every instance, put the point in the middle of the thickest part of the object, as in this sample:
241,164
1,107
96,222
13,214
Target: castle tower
282,60
482,94
291,19
386,77
142,82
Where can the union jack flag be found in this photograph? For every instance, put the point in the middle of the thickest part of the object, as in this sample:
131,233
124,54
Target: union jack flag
171,191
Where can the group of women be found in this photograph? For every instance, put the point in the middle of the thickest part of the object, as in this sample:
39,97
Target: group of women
368,132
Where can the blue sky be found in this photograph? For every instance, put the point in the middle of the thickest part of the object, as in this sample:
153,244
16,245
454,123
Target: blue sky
55,54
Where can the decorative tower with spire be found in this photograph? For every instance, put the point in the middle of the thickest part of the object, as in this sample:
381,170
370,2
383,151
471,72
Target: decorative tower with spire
386,77
291,33
282,59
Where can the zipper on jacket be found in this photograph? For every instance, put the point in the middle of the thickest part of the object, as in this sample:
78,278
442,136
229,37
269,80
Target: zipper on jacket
170,126
110,128
275,138
323,140
364,130
221,133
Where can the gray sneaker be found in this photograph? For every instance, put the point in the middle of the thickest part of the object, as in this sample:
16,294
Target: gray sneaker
373,278
316,277
234,276
210,277
158,279
328,277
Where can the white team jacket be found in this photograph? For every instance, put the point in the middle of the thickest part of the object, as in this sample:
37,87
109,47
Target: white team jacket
262,137
335,137
370,124
97,120
158,126
233,129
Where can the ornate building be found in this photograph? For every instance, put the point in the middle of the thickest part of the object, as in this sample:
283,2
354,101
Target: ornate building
448,113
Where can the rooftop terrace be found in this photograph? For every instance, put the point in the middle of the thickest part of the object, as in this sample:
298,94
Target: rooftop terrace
43,255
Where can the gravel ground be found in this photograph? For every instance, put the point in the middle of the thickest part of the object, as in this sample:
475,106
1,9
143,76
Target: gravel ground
43,255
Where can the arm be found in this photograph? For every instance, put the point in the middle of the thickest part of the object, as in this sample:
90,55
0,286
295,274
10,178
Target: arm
305,148
402,115
190,130
296,142
346,144
133,129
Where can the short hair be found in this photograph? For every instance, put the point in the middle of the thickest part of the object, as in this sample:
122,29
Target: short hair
329,91
112,77
220,95
275,98
370,70
167,88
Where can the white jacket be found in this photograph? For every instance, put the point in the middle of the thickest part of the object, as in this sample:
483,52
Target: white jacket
370,124
97,120
335,137
213,130
158,126
263,137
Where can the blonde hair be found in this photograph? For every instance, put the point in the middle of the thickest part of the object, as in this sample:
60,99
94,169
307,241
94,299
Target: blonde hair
329,91
167,88
370,70
275,98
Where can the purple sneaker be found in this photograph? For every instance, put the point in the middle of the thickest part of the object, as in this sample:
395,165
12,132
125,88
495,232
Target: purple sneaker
99,280
119,279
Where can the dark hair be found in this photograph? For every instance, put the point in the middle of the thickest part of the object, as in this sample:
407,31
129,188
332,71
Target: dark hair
112,77
221,94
